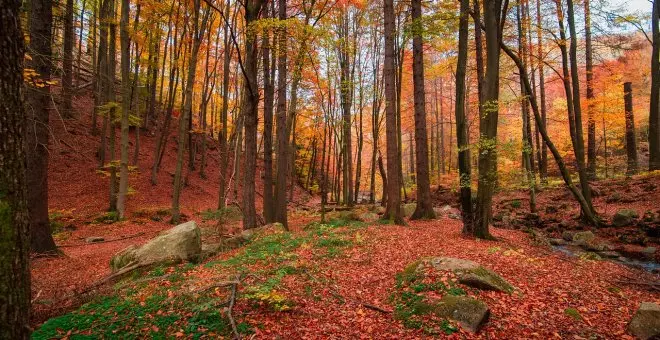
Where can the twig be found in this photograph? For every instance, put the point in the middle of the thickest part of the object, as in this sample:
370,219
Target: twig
338,296
652,285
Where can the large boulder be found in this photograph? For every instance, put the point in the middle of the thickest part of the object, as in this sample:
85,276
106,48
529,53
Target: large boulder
181,243
470,313
645,324
583,238
470,273
624,217
408,209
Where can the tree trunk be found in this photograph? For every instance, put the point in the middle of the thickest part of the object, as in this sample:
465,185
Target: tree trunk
125,43
250,114
14,215
424,209
184,128
464,166
631,142
222,135
67,62
577,108
393,211
269,94
543,163
282,138
591,123
654,108
488,121
36,131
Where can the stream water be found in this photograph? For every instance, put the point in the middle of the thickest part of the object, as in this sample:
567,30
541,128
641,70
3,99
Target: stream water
650,266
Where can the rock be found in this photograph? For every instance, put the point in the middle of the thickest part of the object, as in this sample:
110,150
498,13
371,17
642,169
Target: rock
567,224
471,274
94,239
609,254
557,241
567,235
592,246
368,217
470,313
649,252
583,238
454,216
615,197
539,238
181,243
408,209
551,209
624,217
645,324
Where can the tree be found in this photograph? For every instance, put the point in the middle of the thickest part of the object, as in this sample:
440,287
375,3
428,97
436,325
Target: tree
125,43
393,210
488,120
184,128
282,138
14,219
591,123
578,140
631,142
269,97
654,103
37,134
67,61
424,207
464,166
250,114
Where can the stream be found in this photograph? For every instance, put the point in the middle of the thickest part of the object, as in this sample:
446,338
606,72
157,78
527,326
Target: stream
649,266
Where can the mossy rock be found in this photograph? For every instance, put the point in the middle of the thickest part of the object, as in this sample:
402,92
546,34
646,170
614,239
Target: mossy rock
470,273
181,243
645,324
470,313
624,217
408,209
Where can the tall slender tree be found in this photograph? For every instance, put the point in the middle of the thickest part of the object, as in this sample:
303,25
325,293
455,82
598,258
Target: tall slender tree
250,114
488,120
282,139
393,210
424,208
37,134
464,166
654,104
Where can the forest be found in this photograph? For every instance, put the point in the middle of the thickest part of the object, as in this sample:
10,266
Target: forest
404,169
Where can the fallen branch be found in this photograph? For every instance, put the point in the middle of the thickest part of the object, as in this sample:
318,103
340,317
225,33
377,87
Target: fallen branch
652,285
232,300
104,241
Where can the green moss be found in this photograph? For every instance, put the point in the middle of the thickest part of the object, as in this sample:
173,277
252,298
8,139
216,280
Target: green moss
573,313
493,279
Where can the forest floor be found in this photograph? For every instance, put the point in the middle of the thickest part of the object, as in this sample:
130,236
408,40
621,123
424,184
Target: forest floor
332,280
324,280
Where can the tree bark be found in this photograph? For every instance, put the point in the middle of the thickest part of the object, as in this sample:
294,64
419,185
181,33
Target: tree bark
125,42
424,208
250,114
488,121
36,131
591,123
393,211
282,138
67,62
269,95
464,166
631,140
654,105
14,216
